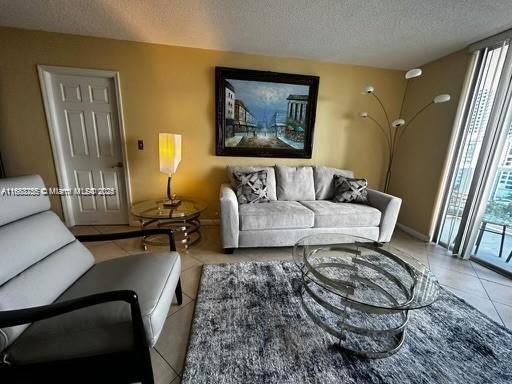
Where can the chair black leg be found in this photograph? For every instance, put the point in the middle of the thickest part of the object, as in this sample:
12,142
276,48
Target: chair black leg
147,369
480,235
229,251
502,242
179,293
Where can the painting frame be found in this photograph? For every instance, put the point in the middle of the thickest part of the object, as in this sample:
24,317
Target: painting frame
223,74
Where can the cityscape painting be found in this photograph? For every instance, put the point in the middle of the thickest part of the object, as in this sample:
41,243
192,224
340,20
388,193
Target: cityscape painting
265,113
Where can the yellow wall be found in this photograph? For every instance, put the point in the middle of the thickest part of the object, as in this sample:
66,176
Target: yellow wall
420,161
171,89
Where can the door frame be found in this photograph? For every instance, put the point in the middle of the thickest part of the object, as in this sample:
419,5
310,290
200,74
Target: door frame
45,78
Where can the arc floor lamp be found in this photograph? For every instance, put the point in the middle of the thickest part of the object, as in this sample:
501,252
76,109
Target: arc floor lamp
394,130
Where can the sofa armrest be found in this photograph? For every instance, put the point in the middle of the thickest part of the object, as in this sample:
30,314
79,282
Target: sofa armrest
389,207
229,220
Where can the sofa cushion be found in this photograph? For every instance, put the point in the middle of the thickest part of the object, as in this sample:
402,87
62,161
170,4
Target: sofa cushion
324,183
271,177
106,327
275,215
295,183
338,215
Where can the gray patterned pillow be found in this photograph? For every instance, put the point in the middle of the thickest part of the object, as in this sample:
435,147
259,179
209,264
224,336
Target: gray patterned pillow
348,190
251,187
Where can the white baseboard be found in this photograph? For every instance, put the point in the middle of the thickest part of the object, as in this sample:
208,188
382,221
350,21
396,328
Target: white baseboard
414,233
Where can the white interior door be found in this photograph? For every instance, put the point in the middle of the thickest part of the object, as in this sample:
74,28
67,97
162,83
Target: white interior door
89,141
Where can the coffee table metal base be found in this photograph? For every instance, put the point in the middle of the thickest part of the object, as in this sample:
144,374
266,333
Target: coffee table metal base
391,338
385,339
361,294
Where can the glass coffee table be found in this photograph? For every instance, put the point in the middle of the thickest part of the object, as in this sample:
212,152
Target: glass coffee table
183,219
362,294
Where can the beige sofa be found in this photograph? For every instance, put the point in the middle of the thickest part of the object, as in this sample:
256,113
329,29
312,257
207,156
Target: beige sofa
302,205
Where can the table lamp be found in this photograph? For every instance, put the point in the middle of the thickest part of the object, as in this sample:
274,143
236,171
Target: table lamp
169,145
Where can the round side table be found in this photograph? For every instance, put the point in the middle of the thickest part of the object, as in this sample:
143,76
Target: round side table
183,219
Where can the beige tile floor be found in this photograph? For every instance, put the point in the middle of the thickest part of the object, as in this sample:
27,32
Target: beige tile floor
488,291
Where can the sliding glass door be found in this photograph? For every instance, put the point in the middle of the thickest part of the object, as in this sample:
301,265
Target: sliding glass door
476,218
490,63
493,244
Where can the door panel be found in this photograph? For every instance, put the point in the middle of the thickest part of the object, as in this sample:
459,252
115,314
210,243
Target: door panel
88,131
71,92
77,134
109,179
104,139
84,180
98,95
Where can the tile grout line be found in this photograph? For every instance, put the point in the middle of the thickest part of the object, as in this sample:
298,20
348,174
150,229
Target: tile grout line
498,312
495,282
493,303
121,248
192,266
166,362
181,306
453,270
454,291
500,303
494,300
180,373
474,269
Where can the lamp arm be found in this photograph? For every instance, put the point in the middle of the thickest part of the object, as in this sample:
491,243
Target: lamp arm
415,116
383,109
388,140
403,98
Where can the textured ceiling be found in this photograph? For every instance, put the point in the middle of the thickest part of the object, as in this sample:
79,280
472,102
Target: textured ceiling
382,33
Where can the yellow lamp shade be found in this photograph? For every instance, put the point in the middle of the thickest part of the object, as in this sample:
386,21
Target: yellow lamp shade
169,146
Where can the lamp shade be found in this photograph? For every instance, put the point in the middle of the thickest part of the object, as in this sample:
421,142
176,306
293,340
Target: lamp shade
169,146
398,123
412,73
441,98
368,90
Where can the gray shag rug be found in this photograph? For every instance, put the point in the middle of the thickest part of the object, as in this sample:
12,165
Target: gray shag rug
249,327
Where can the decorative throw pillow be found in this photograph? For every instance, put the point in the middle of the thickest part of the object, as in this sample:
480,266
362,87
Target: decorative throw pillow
251,187
348,190
271,177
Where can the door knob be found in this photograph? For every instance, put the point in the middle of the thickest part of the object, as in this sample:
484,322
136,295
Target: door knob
118,165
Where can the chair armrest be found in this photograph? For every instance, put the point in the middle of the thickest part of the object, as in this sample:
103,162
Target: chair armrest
229,220
16,317
127,235
389,206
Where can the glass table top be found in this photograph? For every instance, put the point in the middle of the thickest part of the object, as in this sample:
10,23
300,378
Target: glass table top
353,268
154,209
